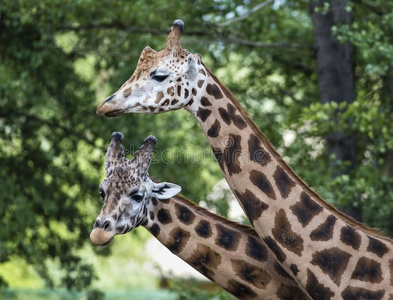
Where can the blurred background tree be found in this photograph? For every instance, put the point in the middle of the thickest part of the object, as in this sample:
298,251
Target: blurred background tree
316,77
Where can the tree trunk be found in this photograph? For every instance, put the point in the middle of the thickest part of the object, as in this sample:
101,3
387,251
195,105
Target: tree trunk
389,90
335,80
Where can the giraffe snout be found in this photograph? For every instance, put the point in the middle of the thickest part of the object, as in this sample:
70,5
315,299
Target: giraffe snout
102,233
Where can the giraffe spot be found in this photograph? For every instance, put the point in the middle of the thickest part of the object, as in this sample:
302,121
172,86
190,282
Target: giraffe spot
229,116
164,216
224,115
214,130
280,255
284,183
127,92
260,180
165,103
155,230
205,101
205,260
178,239
204,229
350,237
214,90
151,216
184,214
227,238
240,290
203,114
367,270
190,102
253,206
236,119
377,247
332,262
306,209
186,93
283,233
324,232
179,90
160,95
250,273
154,201
174,101
200,83
356,293
294,269
316,289
219,157
257,153
287,292
202,72
232,153
170,91
280,271
194,91
256,250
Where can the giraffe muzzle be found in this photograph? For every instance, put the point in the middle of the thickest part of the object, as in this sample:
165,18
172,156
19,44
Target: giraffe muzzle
100,237
107,110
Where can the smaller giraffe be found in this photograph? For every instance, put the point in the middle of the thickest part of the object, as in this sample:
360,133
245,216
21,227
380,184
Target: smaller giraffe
227,253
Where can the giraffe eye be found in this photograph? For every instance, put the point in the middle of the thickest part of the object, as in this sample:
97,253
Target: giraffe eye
159,78
138,197
102,194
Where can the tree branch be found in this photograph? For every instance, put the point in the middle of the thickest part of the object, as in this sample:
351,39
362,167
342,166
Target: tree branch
267,45
143,30
123,27
245,15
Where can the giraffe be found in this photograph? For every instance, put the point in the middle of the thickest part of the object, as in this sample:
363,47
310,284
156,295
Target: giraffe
228,253
330,255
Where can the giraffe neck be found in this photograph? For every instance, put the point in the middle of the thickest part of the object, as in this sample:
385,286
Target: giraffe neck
325,251
227,253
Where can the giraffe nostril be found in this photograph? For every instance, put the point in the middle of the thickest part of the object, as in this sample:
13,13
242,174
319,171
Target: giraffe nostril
107,225
96,224
109,98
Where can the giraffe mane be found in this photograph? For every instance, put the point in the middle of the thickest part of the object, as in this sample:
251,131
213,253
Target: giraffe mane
204,212
371,231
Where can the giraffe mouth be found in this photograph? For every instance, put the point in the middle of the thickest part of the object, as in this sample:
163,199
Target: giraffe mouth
104,109
109,111
114,113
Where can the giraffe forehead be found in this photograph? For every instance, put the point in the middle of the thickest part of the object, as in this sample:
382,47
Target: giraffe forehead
125,179
150,60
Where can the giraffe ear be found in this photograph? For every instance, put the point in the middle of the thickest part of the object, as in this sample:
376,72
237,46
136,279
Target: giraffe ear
194,60
165,190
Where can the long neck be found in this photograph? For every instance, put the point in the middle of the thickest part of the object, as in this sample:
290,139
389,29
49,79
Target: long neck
324,250
227,253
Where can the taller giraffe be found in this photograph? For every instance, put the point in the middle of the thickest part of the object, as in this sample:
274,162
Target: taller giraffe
330,255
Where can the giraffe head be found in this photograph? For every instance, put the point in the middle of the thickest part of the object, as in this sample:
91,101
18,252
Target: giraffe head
127,190
163,81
